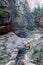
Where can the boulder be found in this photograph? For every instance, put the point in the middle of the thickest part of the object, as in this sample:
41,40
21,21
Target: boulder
41,22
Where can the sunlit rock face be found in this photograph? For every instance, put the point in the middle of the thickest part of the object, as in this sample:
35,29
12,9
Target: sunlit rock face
41,3
34,4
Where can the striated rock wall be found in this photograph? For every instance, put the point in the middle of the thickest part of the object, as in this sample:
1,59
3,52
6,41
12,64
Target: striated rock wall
25,17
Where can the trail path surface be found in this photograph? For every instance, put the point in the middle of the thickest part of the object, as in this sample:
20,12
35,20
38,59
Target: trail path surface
9,44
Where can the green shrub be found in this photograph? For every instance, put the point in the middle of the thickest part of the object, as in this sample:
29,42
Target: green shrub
1,12
37,11
3,51
41,11
30,27
16,24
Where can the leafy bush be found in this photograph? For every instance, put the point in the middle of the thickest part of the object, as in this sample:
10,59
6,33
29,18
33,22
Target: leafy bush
16,24
31,27
37,11
41,11
1,12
